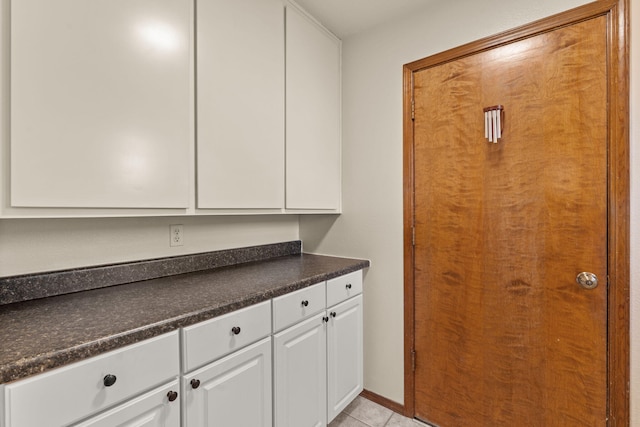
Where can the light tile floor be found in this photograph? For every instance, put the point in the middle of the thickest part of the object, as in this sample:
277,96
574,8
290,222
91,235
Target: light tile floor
365,413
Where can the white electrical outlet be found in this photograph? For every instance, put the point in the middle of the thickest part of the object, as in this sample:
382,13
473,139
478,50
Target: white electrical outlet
176,235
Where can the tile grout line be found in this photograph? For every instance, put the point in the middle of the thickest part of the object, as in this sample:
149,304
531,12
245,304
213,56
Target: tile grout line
388,419
362,421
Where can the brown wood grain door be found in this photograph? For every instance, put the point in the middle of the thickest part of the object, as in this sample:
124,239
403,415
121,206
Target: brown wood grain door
504,336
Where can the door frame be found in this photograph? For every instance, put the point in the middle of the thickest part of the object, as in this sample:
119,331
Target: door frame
618,201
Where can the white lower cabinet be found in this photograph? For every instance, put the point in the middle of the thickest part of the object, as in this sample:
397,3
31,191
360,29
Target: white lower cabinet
300,374
344,355
237,371
318,363
152,409
232,392
227,363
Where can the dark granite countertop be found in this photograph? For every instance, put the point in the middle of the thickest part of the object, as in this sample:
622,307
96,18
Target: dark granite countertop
46,333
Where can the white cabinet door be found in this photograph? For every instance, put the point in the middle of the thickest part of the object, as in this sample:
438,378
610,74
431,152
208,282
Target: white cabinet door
232,392
300,374
152,409
100,103
344,355
313,115
240,99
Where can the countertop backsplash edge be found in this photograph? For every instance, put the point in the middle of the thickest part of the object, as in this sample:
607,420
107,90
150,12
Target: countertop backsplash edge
41,285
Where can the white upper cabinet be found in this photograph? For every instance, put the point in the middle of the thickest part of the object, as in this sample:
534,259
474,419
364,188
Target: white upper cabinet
100,103
240,104
168,107
313,109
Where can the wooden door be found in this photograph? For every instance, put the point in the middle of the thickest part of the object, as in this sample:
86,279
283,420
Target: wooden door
504,335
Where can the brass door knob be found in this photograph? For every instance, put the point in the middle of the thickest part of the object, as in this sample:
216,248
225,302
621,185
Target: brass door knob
587,280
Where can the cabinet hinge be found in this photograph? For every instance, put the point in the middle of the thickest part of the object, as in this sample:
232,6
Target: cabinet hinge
413,109
413,236
413,360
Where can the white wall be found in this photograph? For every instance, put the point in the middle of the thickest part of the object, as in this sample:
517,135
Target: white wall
371,225
38,245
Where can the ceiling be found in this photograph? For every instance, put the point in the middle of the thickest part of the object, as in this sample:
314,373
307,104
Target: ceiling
346,17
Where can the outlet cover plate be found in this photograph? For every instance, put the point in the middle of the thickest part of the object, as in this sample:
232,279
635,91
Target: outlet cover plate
176,235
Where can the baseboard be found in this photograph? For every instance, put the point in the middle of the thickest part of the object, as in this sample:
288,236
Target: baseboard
381,400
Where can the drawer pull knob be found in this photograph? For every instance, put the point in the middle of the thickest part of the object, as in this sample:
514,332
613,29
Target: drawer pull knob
235,330
172,395
305,303
348,286
325,319
195,383
109,380
333,314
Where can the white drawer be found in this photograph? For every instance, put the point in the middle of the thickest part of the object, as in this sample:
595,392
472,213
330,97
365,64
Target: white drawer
68,394
296,306
344,287
212,339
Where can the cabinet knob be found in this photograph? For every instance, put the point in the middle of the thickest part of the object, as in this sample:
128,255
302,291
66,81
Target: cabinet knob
195,383
305,303
235,330
333,314
325,319
109,380
348,286
172,395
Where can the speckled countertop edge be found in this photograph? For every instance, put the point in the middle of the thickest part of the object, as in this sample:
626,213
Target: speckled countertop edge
33,286
43,334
